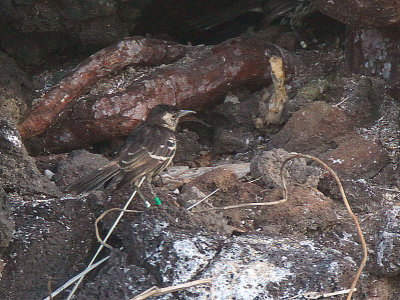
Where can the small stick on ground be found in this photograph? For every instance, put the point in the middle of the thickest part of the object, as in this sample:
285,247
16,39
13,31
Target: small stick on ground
102,216
156,291
49,287
243,205
205,198
316,295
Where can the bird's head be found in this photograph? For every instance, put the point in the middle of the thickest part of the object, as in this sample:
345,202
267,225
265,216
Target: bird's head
166,115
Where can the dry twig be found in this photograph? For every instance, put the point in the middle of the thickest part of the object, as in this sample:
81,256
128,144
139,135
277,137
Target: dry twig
243,205
156,291
316,295
205,198
49,288
246,205
102,216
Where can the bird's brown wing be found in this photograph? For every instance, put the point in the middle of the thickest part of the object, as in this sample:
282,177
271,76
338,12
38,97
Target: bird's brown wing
146,152
277,8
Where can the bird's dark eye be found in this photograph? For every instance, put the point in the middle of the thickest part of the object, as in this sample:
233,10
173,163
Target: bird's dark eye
174,115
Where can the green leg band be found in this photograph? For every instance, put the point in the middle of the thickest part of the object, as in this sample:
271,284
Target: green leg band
157,200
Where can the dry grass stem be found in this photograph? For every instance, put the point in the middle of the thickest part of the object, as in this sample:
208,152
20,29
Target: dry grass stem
386,189
254,180
316,295
49,288
205,198
243,205
156,291
102,216
253,204
344,99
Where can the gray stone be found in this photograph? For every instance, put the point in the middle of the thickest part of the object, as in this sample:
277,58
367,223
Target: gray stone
388,248
6,222
267,166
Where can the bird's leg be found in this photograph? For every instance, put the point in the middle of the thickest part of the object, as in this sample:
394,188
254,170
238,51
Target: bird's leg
156,199
142,197
160,180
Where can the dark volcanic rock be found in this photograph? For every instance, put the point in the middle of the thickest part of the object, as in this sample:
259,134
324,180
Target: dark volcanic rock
253,266
33,32
18,171
52,238
229,141
244,267
368,13
235,129
78,164
16,89
117,279
188,147
388,248
6,222
375,52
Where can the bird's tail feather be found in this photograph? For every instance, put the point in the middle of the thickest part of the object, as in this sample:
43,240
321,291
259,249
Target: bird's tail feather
93,180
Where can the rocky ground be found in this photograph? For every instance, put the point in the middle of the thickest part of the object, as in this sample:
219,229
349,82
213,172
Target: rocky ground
306,244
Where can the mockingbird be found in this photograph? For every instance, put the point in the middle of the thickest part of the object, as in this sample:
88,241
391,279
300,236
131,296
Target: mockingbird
147,151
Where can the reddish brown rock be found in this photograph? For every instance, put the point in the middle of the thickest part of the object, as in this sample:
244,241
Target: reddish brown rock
380,289
371,13
307,209
357,156
313,129
196,81
222,178
134,50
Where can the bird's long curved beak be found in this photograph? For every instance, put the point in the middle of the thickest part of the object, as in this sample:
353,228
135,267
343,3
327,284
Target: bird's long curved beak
183,112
